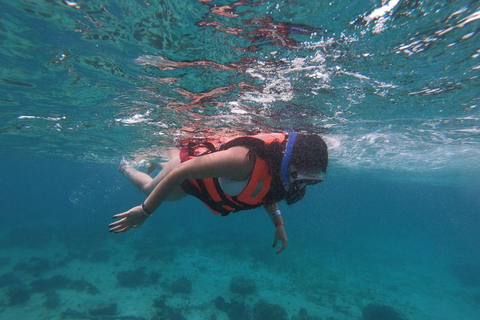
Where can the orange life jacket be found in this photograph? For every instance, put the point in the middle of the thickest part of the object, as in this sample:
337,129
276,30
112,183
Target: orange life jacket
208,189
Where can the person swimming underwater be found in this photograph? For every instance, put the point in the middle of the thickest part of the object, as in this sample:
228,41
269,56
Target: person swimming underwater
231,175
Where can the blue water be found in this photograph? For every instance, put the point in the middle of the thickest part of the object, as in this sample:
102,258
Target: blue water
392,86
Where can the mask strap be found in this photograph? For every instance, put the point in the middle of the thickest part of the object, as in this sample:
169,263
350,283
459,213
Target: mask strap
286,160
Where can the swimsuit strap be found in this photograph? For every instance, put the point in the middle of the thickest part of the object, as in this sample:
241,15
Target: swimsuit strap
286,159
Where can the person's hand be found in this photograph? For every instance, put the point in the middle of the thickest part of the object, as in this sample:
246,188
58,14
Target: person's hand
281,235
132,218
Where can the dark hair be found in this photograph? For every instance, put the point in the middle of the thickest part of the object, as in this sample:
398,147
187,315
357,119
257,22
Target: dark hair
309,154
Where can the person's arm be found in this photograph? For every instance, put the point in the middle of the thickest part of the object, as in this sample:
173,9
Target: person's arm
276,217
232,163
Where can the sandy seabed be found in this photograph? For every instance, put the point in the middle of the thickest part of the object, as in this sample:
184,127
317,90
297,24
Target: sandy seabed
144,280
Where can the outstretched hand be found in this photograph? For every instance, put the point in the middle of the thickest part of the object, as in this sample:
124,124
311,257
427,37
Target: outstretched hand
281,235
132,218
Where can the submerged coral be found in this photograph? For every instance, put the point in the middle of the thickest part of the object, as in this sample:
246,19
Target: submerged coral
35,266
61,282
181,285
132,278
74,314
267,311
221,304
51,284
83,285
303,315
9,279
103,309
160,302
242,285
169,313
52,300
236,310
137,278
17,295
380,312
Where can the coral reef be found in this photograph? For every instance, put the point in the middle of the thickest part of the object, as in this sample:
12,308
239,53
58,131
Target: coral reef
380,312
80,255
103,309
9,279
303,315
35,266
236,310
153,278
61,282
159,303
17,295
137,278
221,304
83,285
51,284
181,285
168,313
52,300
74,314
242,285
267,311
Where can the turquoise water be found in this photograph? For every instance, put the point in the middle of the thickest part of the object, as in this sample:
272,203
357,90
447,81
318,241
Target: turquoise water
392,86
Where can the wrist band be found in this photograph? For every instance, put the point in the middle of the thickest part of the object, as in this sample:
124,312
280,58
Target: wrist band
147,212
278,224
274,214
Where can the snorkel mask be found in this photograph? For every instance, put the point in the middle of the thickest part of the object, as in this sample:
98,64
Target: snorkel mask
294,182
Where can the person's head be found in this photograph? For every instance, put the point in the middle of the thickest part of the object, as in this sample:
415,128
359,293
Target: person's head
309,154
305,157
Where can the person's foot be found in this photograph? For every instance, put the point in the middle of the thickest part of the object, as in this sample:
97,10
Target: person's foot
124,164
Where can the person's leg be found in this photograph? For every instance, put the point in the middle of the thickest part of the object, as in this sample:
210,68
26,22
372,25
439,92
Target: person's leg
166,169
146,183
139,179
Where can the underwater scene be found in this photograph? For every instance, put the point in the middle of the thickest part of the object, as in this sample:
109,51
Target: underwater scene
392,86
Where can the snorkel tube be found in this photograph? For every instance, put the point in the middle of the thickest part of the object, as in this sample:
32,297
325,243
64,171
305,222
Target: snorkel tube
286,160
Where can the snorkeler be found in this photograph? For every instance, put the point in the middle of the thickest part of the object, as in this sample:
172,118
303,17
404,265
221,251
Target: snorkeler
228,176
